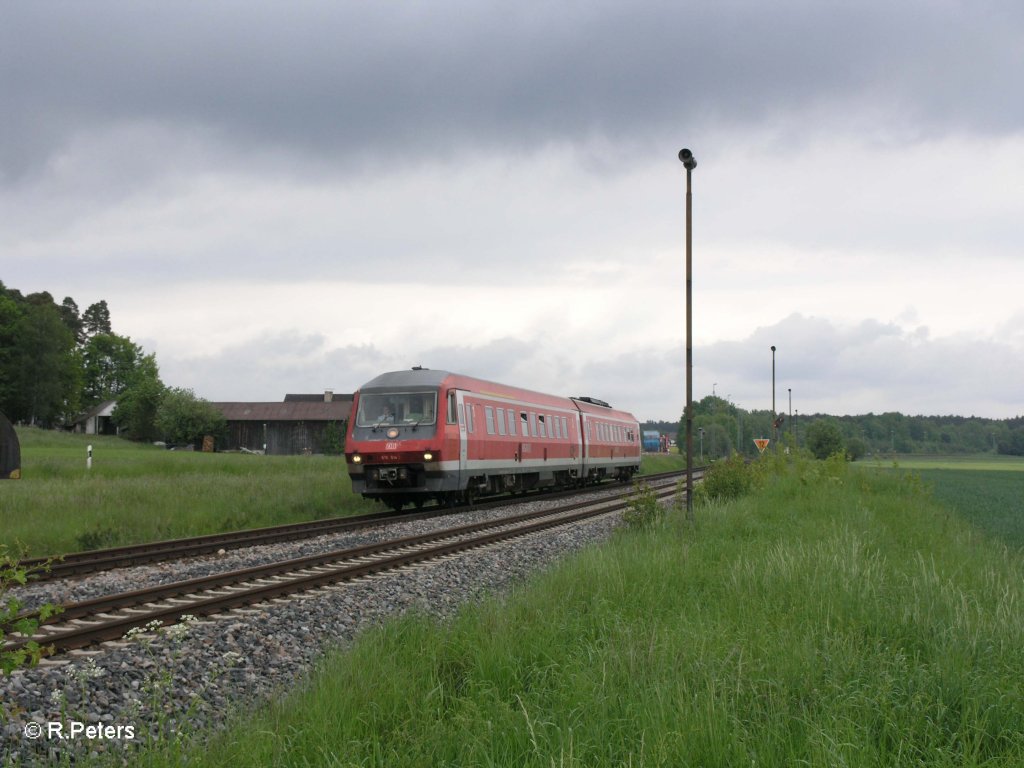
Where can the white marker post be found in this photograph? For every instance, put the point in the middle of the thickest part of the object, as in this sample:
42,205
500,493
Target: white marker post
88,458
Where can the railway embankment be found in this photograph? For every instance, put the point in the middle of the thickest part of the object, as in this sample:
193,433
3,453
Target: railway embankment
833,616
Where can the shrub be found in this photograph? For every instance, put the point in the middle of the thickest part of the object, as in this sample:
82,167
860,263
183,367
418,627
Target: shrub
824,439
726,479
644,510
10,620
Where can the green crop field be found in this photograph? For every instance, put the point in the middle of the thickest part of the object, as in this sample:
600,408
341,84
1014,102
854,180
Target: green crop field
986,491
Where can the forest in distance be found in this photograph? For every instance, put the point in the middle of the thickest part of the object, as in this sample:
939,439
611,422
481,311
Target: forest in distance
57,362
728,428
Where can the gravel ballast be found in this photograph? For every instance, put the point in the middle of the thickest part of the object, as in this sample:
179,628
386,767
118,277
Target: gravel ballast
186,678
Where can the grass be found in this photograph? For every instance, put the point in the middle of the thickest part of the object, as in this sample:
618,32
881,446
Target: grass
987,491
136,493
985,461
838,617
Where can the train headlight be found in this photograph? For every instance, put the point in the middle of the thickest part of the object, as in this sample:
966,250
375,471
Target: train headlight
428,456
357,459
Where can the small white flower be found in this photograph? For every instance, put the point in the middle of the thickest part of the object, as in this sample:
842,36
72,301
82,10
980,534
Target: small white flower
177,631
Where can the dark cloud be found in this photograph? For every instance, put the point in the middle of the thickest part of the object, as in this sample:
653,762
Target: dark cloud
380,83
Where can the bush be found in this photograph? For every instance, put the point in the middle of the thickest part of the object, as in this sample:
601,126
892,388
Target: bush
726,479
10,574
184,418
644,510
824,439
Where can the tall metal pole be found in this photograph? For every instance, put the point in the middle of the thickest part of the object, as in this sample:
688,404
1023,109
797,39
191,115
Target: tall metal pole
687,159
774,428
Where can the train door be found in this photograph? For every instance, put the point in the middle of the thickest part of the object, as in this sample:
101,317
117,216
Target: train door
463,436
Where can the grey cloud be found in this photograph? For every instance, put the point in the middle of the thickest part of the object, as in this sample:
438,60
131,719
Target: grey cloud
871,366
395,82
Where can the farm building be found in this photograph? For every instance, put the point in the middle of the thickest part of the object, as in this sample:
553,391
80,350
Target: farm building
300,424
97,421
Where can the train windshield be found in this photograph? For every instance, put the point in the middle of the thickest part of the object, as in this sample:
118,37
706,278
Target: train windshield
397,409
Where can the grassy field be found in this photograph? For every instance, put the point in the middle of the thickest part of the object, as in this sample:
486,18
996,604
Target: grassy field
838,617
140,493
985,461
987,491
136,493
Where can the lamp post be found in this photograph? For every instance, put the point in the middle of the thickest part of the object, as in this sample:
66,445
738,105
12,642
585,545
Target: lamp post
790,427
689,162
774,428
701,430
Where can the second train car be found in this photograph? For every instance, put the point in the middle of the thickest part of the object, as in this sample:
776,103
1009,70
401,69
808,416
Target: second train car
422,434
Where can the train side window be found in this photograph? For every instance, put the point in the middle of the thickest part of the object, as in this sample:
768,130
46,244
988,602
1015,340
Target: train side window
469,418
553,430
462,414
451,406
525,423
533,424
540,425
565,427
558,428
489,417
501,421
511,422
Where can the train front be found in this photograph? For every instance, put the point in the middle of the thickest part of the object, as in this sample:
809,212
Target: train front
394,443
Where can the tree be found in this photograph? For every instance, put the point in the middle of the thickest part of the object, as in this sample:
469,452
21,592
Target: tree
47,373
184,418
824,439
70,315
96,319
10,315
109,363
855,448
138,404
1013,445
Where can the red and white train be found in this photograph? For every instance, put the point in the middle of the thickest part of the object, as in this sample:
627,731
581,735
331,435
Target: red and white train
421,434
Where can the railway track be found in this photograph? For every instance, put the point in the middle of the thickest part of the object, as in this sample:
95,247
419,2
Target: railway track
83,563
88,623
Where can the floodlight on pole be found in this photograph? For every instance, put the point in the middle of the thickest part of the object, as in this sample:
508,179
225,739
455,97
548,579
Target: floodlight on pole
689,162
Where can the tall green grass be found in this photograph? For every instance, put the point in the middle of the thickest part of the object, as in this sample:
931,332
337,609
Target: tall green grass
136,493
834,618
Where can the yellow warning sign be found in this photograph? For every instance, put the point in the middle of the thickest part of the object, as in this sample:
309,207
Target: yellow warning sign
761,443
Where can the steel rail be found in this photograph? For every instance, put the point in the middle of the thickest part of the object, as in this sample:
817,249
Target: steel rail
92,624
82,563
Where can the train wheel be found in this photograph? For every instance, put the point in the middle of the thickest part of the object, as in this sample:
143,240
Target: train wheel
396,506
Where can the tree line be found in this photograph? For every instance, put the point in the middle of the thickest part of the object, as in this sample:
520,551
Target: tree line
57,362
728,429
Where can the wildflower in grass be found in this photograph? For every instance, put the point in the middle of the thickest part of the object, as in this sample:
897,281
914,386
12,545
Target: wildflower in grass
182,628
84,672
146,629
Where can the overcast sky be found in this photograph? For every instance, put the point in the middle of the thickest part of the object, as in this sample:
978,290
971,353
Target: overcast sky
289,197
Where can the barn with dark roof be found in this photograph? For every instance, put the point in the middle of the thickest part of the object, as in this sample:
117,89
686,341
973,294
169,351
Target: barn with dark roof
302,424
